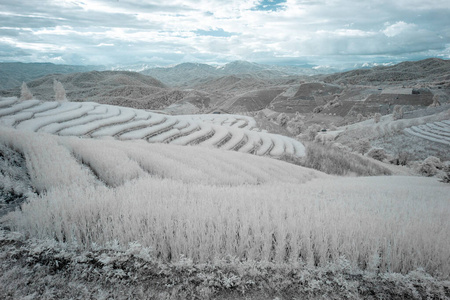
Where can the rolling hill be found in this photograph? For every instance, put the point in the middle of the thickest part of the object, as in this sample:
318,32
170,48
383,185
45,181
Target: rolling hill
110,87
428,70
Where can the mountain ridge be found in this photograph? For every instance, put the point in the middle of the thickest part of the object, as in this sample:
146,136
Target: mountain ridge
12,74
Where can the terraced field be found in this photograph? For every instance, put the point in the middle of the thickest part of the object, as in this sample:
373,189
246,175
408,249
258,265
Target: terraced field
438,132
89,119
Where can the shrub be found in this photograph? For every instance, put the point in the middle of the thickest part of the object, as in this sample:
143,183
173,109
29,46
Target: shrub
377,117
282,119
401,159
360,117
436,101
312,131
324,138
377,153
261,114
332,160
296,125
427,169
318,109
398,112
446,177
434,161
446,166
361,146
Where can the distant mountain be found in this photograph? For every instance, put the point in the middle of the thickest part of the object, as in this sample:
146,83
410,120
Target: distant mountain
242,86
108,87
241,67
135,67
193,74
431,69
183,74
13,74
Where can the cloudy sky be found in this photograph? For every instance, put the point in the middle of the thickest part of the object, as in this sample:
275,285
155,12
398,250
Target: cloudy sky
322,32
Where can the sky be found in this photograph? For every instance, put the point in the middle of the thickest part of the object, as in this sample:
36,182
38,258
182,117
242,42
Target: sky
322,32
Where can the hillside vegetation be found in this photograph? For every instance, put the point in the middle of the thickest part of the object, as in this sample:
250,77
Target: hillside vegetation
195,206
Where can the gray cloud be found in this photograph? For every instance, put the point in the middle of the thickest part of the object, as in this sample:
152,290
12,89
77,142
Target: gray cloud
126,31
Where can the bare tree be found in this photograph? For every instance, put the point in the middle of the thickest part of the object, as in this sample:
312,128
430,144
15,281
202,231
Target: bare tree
25,93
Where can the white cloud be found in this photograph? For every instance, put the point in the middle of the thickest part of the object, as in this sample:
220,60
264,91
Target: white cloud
398,28
177,29
40,47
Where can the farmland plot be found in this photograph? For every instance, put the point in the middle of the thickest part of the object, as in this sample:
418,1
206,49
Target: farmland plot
207,204
230,132
438,132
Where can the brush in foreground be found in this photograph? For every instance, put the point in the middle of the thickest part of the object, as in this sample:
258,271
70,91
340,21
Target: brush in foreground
252,208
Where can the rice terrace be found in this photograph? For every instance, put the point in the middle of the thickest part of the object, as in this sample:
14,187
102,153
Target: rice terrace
255,149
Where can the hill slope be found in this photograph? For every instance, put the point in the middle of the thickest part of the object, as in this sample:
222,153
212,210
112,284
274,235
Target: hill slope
110,87
88,119
164,220
428,70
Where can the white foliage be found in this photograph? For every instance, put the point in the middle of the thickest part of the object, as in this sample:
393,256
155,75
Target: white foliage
25,93
49,164
205,204
60,92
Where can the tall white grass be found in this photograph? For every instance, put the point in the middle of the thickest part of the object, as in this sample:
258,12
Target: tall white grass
111,165
208,204
49,164
397,230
